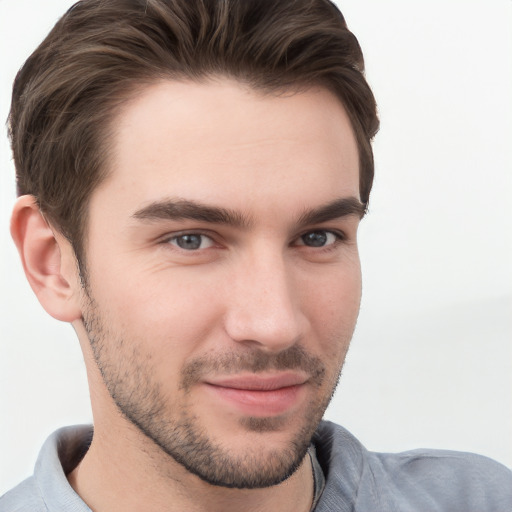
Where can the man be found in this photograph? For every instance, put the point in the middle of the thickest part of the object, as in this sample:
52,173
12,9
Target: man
191,176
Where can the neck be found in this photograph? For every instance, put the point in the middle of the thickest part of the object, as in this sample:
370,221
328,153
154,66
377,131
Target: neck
125,471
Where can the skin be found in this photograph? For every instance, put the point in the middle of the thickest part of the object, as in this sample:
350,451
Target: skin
270,293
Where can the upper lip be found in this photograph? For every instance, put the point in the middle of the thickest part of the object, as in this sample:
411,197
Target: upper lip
259,382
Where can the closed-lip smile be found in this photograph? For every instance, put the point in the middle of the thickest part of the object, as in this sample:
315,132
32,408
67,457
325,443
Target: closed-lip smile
260,395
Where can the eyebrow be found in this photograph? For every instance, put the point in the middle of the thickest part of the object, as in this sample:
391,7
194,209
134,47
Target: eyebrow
179,209
336,209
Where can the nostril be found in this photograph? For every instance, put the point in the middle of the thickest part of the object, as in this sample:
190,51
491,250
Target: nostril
263,306
272,330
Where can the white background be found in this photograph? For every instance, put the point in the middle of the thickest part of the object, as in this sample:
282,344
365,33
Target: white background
431,361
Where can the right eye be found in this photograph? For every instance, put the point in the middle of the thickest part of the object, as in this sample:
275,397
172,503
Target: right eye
191,241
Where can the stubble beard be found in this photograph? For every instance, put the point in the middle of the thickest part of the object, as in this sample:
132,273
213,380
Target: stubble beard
130,381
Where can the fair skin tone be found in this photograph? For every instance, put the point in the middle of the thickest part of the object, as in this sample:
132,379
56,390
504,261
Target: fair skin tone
223,287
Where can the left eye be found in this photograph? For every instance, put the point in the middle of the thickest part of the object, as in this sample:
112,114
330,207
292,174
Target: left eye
191,241
319,238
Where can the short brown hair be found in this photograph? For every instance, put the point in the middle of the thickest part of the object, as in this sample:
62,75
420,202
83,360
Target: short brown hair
68,92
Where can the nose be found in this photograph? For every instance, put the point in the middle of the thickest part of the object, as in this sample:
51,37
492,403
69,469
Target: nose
264,309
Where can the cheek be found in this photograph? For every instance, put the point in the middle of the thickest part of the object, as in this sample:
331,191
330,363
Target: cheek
333,307
168,313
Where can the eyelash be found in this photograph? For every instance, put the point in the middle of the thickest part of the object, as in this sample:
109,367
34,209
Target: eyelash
170,238
191,234
339,238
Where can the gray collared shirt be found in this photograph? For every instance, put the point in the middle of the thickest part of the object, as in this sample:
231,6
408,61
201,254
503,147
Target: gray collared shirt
355,480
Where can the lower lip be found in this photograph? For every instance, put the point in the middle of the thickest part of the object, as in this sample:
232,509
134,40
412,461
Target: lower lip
259,403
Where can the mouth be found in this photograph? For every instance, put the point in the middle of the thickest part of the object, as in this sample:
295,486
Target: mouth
259,395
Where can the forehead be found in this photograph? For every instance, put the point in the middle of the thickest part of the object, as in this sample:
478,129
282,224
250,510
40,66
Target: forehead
223,142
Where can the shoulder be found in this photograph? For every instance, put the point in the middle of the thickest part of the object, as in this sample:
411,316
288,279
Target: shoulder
465,481
25,497
48,489
414,480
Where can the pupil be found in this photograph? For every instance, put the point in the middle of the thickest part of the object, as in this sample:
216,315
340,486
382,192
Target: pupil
189,242
315,239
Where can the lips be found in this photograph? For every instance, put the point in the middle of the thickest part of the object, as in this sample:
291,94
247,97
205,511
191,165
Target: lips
256,382
258,395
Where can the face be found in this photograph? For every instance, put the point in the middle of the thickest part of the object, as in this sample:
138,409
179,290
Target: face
223,273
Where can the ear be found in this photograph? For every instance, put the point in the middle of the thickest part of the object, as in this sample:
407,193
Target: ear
48,260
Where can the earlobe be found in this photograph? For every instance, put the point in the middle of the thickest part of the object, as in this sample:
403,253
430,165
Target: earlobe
44,256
